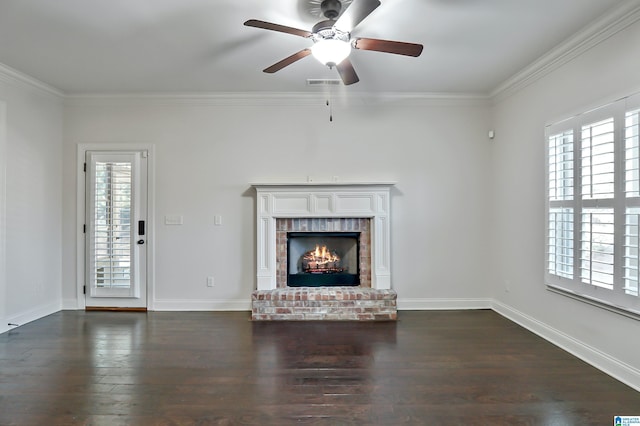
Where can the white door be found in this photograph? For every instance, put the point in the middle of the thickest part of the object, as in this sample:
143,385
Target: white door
116,222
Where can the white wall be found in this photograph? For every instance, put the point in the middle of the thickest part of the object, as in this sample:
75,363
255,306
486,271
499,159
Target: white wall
208,153
30,280
602,73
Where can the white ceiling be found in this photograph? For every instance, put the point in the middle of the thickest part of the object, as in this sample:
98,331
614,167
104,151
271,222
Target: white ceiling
162,46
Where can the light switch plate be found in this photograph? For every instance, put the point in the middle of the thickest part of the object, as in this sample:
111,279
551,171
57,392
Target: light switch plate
173,220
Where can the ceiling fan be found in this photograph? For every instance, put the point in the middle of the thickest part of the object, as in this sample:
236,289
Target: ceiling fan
332,41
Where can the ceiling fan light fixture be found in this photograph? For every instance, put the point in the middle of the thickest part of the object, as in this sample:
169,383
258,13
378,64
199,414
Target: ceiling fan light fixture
331,51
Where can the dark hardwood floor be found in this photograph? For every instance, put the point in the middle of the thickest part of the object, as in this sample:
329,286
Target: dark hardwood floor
207,368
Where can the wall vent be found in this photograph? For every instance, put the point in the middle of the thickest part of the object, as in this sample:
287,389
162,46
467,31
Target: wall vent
323,82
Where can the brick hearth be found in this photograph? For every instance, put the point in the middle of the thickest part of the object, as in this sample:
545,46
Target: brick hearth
324,303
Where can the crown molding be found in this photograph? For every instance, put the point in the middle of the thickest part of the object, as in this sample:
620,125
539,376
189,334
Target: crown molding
195,98
600,30
313,99
15,77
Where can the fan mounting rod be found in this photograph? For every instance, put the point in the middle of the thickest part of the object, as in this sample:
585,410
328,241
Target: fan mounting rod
331,8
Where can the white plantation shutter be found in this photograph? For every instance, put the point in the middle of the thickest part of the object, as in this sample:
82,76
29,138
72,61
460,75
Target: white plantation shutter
596,247
560,242
632,154
561,166
597,177
631,258
597,155
632,202
112,221
560,198
593,206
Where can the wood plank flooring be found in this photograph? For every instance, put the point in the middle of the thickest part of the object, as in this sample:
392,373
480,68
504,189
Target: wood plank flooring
219,368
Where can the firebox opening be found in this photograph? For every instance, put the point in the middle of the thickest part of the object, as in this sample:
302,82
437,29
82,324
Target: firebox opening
317,259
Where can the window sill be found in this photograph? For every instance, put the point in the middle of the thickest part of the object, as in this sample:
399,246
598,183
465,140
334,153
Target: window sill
595,302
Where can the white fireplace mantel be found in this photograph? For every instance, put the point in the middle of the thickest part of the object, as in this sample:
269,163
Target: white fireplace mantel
323,200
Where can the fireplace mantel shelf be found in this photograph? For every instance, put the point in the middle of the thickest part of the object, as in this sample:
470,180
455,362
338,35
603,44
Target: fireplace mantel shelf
314,184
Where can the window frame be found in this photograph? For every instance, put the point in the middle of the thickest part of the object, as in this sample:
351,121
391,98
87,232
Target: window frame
571,284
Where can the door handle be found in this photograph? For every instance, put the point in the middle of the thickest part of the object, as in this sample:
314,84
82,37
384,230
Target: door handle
140,241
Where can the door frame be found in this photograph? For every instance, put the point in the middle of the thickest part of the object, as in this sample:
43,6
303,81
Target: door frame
3,215
81,212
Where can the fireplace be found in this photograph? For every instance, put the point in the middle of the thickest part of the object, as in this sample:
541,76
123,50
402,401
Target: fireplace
323,252
317,259
350,238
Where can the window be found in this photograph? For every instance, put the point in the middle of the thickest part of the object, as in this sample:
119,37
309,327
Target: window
593,206
112,225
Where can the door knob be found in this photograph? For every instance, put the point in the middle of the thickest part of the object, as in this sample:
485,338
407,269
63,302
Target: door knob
140,241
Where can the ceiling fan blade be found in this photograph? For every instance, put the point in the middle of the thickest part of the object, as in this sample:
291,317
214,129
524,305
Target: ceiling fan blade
276,27
388,46
347,73
287,61
355,13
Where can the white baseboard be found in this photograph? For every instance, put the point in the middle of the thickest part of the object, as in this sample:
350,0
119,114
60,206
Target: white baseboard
442,304
35,313
600,360
181,305
201,305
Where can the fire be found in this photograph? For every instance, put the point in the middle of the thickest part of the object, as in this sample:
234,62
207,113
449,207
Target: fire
321,260
321,255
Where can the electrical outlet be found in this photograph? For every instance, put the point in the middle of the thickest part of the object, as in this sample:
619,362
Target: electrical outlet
507,286
210,282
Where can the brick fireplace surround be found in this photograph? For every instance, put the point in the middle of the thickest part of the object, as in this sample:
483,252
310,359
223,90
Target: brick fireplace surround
362,207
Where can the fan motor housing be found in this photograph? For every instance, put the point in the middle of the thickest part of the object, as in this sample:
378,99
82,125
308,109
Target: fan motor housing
326,31
323,26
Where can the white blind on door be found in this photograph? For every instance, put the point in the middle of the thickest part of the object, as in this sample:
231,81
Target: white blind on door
112,229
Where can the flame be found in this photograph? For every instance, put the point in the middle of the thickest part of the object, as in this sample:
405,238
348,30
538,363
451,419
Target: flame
321,260
321,255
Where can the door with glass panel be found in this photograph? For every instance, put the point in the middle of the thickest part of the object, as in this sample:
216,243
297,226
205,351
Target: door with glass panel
116,216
